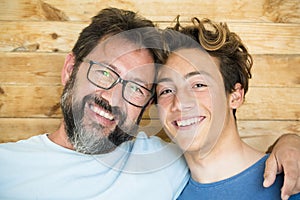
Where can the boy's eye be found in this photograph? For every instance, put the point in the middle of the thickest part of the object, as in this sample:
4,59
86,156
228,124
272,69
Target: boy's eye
166,91
199,85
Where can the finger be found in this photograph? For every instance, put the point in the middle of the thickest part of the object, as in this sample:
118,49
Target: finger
291,172
284,197
270,171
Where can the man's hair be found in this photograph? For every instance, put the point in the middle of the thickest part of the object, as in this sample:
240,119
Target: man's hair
112,21
219,42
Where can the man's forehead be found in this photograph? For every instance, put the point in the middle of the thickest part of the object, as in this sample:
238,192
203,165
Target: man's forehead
115,47
119,52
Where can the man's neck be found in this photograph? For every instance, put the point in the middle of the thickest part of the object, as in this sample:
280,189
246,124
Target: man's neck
60,137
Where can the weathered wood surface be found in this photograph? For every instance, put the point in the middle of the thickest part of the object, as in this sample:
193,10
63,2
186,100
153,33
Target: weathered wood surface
35,36
14,129
277,11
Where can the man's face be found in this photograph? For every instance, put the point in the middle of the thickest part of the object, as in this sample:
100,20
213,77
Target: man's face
191,99
97,120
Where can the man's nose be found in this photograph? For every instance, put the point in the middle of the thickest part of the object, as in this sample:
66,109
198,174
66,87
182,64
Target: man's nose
112,95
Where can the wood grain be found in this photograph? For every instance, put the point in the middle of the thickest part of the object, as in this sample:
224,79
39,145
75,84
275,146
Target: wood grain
15,129
24,36
287,11
30,101
31,68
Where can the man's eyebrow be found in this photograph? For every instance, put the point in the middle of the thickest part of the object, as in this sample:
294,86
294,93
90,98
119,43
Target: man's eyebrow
113,67
140,81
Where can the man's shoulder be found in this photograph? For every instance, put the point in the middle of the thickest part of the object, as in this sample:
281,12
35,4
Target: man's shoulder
145,144
24,144
153,154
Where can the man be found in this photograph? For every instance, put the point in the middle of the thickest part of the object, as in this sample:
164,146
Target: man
108,81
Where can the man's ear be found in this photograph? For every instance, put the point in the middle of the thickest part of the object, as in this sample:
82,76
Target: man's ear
236,98
68,68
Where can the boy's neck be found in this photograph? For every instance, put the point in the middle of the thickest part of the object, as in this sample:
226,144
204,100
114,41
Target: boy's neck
229,156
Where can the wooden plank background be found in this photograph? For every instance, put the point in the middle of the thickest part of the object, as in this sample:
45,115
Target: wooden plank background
36,35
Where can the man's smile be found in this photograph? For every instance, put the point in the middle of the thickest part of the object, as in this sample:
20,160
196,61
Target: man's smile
100,114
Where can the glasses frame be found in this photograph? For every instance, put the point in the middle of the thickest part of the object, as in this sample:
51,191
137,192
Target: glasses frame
118,80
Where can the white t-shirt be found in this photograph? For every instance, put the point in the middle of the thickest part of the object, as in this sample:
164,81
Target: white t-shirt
37,168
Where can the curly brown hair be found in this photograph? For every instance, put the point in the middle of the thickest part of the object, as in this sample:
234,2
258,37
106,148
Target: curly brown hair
219,42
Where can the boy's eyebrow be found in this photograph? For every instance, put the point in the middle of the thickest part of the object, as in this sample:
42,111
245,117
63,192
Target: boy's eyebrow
194,73
164,80
188,75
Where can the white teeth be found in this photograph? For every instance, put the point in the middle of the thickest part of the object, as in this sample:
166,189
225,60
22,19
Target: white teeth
188,122
102,113
108,116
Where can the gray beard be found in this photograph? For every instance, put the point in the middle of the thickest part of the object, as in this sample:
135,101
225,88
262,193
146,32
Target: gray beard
89,139
86,137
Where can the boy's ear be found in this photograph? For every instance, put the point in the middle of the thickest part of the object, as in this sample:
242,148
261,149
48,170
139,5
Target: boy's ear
236,98
68,68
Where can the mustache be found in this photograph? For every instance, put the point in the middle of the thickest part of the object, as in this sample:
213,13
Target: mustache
103,103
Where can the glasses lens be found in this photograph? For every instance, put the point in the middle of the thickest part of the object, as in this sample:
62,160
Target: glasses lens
136,94
102,76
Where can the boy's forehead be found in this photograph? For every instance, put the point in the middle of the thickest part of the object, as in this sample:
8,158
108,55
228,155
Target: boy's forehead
185,61
169,74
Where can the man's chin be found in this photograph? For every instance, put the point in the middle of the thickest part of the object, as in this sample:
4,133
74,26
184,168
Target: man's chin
92,146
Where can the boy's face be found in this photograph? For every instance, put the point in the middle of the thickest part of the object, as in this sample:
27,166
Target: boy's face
191,99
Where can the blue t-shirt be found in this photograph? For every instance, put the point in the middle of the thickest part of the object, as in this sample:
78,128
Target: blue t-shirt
246,185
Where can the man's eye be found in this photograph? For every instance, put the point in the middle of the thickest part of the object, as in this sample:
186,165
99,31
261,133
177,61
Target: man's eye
135,88
106,73
138,90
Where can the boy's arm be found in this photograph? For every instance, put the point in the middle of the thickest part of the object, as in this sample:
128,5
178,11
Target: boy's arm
285,156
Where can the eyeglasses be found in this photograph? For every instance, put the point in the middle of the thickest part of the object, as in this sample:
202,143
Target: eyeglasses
102,76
